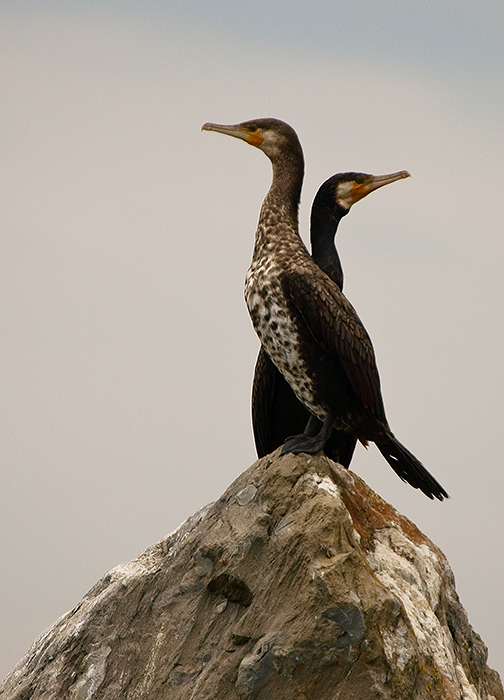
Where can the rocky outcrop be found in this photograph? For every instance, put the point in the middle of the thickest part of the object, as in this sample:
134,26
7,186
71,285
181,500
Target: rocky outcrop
300,583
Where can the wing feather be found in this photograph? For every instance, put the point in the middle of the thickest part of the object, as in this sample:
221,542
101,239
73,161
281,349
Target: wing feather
335,325
263,394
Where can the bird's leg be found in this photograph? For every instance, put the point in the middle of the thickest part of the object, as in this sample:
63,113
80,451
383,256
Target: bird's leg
312,427
308,443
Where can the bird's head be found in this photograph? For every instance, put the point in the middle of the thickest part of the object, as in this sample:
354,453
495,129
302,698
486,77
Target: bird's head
344,189
272,136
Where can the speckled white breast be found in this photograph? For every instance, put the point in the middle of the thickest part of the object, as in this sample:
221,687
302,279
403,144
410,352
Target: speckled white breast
276,330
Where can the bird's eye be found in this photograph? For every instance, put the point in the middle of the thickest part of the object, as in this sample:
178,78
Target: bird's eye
252,128
359,180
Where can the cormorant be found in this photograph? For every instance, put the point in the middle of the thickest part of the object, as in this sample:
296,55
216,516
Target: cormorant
307,326
276,412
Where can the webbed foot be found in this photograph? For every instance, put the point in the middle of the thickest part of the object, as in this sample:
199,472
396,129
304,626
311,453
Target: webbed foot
303,443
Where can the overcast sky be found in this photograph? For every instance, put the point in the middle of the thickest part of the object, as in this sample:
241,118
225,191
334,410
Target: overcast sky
126,349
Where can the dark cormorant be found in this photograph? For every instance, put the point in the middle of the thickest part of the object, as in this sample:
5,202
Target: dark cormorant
276,412
307,326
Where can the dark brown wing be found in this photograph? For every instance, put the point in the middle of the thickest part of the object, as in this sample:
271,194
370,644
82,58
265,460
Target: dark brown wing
335,325
263,390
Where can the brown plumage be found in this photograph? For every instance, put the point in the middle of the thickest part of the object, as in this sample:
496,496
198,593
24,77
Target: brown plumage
309,329
276,412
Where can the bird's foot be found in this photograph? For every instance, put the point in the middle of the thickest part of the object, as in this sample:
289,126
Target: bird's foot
302,443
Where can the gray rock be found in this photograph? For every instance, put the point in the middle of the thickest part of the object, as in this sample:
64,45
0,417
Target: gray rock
300,583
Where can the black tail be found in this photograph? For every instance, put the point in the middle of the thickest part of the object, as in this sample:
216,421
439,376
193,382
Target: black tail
409,469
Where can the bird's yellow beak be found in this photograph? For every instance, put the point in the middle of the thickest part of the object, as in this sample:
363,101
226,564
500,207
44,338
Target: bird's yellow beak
239,131
373,182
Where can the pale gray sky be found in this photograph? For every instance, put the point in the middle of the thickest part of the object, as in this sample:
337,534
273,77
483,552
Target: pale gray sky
127,352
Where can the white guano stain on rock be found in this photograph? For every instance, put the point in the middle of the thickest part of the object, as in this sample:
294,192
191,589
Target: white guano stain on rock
330,487
321,482
414,574
397,647
145,686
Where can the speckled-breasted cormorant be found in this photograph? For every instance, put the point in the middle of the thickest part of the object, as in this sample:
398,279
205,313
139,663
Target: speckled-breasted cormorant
307,326
276,412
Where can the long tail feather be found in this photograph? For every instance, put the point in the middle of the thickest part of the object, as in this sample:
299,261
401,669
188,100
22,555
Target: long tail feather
409,469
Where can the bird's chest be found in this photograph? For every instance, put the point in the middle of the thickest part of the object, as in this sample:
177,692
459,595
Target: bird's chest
276,326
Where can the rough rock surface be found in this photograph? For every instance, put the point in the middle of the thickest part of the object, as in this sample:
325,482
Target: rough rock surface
300,583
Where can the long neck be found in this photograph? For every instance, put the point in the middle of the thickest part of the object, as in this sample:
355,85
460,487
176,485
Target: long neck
323,227
278,220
